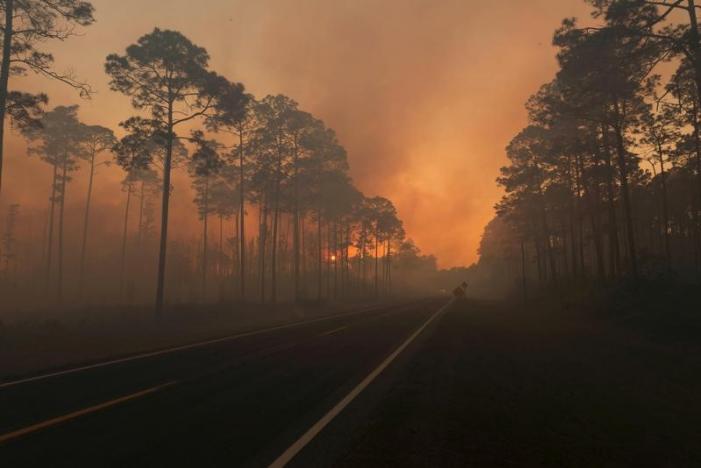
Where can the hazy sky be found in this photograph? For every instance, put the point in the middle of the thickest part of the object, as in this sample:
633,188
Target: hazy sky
424,94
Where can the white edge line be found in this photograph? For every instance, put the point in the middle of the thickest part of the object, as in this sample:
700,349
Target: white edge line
313,431
179,348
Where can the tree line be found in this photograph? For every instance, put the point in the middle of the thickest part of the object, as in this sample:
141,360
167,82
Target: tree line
270,175
605,181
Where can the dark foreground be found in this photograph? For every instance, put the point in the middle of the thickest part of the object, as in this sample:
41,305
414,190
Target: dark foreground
483,385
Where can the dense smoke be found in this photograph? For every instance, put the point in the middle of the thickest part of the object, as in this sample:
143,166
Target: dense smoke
423,98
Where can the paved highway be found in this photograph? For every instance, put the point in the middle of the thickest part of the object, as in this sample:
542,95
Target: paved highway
251,399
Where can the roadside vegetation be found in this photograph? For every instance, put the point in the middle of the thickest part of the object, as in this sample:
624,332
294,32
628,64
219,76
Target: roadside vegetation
281,219
603,187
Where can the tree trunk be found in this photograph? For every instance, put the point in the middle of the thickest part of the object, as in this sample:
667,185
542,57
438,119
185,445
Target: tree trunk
303,260
86,219
377,284
125,232
236,265
546,232
242,211
697,151
695,47
363,261
205,244
665,208
295,233
319,259
539,260
263,239
346,263
140,232
389,266
627,205
62,209
592,201
523,271
167,163
548,243
335,259
578,214
220,257
695,59
564,238
328,262
5,75
614,250
695,50
50,243
276,216
44,240
140,227
572,218
349,265
273,258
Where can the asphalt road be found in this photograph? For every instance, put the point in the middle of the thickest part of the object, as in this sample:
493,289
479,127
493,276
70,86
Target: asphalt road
242,401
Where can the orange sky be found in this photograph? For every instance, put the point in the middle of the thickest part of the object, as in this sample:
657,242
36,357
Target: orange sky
425,94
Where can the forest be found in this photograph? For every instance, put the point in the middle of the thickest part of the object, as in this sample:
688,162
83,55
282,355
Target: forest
232,233
603,186
281,220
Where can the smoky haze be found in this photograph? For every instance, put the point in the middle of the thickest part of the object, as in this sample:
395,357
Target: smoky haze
350,232
423,98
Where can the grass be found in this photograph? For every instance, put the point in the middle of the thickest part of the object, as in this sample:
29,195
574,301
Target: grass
73,337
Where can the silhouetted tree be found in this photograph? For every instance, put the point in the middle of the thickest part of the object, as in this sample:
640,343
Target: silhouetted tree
299,124
166,74
59,142
9,239
273,114
324,156
204,166
604,113
97,140
28,23
239,119
224,202
128,187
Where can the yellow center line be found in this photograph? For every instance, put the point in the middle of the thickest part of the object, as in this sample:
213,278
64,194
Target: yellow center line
92,409
335,330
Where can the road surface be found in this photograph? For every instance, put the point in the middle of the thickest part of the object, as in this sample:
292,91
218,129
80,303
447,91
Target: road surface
247,400
477,384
